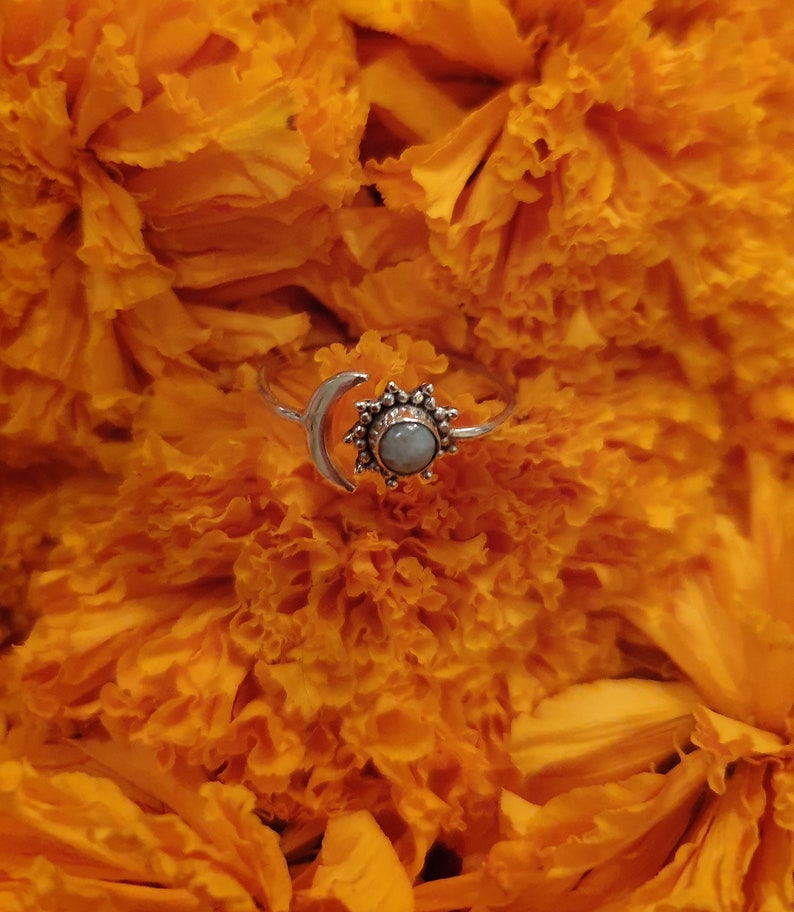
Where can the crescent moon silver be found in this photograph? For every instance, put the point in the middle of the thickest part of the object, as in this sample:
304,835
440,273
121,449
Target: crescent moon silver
315,418
397,434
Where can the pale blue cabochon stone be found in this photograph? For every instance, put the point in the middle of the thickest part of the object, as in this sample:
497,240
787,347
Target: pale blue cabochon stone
407,447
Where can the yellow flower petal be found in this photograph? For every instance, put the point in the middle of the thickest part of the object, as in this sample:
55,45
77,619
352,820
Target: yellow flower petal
599,732
97,843
593,844
593,199
710,867
728,627
442,169
728,740
770,880
394,85
358,869
483,33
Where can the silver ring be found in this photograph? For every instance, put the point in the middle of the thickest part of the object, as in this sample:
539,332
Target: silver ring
397,434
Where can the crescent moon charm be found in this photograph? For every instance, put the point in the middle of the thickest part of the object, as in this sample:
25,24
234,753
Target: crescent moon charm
316,418
315,422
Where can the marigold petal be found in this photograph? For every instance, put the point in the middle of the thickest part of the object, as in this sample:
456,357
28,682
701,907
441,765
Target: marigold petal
575,847
471,32
722,630
602,731
593,199
441,169
447,893
709,868
394,85
237,335
44,887
95,840
222,815
728,740
770,880
110,85
122,271
772,532
358,869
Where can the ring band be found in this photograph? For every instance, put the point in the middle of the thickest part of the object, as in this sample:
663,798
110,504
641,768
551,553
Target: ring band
397,434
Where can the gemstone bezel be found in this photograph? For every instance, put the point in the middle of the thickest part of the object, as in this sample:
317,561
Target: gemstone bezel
392,408
400,415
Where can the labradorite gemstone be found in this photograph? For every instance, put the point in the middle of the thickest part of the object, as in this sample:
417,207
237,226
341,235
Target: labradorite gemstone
407,447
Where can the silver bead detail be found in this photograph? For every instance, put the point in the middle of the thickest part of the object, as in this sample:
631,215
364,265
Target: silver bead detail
400,433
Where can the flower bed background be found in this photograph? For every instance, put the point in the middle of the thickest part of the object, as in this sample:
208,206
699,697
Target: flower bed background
560,676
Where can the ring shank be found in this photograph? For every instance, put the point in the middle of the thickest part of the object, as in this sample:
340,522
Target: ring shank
481,430
506,393
283,411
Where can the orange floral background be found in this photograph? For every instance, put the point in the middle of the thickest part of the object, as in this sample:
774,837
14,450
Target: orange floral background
559,676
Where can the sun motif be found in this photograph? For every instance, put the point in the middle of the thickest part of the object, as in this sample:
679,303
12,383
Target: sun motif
400,433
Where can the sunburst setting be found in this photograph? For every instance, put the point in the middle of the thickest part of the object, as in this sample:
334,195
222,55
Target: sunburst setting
400,433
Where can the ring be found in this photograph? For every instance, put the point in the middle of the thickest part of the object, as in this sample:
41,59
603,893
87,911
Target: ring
397,434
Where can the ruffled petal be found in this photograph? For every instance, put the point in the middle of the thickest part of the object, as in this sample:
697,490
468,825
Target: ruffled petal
481,33
557,676
594,844
357,869
711,866
728,740
79,837
728,626
599,732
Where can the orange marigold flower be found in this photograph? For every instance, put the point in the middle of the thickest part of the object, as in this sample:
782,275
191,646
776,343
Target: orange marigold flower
558,675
